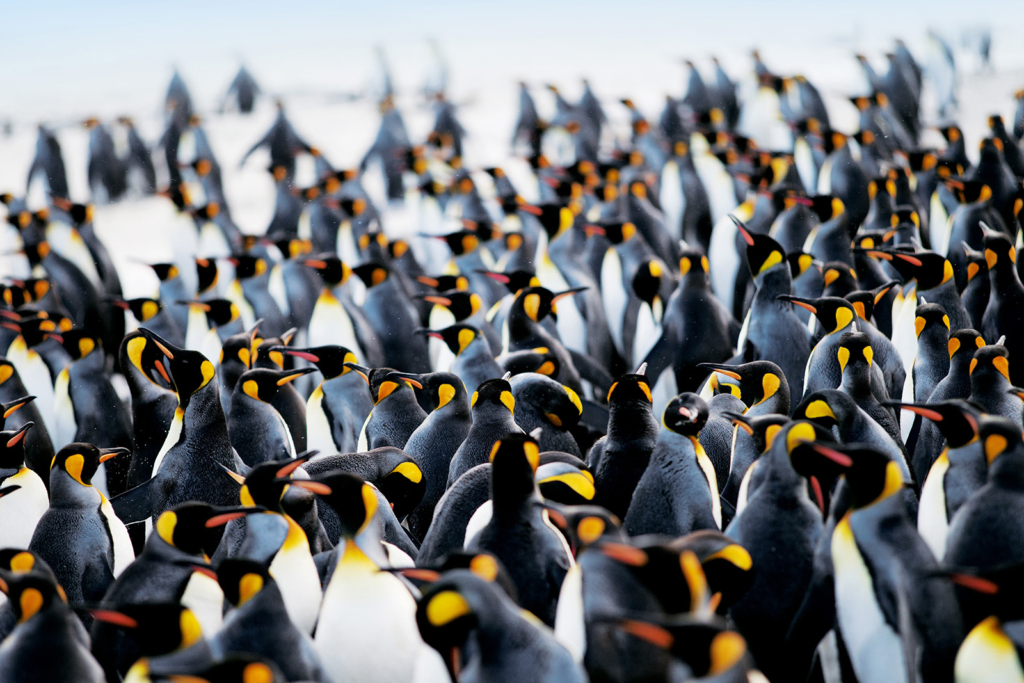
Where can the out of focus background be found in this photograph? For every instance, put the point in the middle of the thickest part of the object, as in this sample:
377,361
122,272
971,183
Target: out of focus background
67,61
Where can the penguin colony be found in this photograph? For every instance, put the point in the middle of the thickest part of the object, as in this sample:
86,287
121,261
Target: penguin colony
704,410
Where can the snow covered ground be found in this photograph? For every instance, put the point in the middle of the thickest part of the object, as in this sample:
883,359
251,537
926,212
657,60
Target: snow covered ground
65,62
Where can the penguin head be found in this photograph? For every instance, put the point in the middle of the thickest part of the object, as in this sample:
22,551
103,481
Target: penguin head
563,478
206,270
235,668
962,346
12,448
694,265
242,579
332,269
452,608
647,286
990,364
727,565
329,360
870,474
493,394
763,253
248,266
165,272
757,381
514,462
461,242
658,566
144,355
762,428
827,408
385,381
990,151
977,264
443,283
707,647
19,561
631,389
799,262
968,191
219,312
991,591
956,419
194,528
832,312
80,343
855,351
483,564
155,628
190,370
540,360
821,468
585,525
267,354
81,460
928,268
999,436
839,278
514,280
617,232
930,316
456,337
685,414
1000,254
555,217
441,389
354,500
31,592
557,403
237,350
827,207
265,484
11,407
143,309
36,330
79,214
462,304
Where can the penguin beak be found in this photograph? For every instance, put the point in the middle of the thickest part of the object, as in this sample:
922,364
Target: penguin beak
722,369
802,303
409,378
841,459
111,617
162,344
299,460
316,487
923,411
430,333
120,303
439,300
13,406
108,453
363,371
193,304
747,237
225,515
568,292
293,375
304,355
20,434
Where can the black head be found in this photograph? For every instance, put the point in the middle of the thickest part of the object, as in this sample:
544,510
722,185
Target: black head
658,567
871,475
461,242
190,370
12,448
144,309
11,407
617,232
81,460
854,348
763,253
329,360
443,283
558,403
493,392
143,353
647,284
990,363
248,266
457,337
693,262
206,269
999,435
584,525
462,304
631,389
242,579
31,592
963,344
763,428
331,268
514,280
758,381
685,414
194,528
832,312
218,311
976,262
707,647
799,262
372,274
928,268
441,388
514,462
727,565
839,278
263,385
999,251
930,316
956,419
354,500
539,360
826,408
157,629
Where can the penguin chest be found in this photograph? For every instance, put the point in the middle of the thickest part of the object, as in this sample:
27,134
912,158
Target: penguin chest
173,434
367,630
875,648
124,553
36,378
197,328
277,289
672,199
708,468
987,655
296,574
205,598
65,425
20,511
318,427
441,357
932,523
66,241
235,295
614,296
212,243
331,324
570,625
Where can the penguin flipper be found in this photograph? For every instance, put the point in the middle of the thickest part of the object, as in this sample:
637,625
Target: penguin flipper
590,370
140,503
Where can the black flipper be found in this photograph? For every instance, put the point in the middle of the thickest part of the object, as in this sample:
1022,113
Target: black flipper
140,503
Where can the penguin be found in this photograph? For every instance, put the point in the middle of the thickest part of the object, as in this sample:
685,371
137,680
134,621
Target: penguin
283,143
236,358
234,668
38,447
173,288
931,364
474,360
393,316
522,330
1002,314
696,327
48,165
678,493
988,652
774,330
556,409
934,277
856,358
44,617
976,293
79,535
253,274
25,499
335,320
367,622
990,383
962,346
762,430
959,471
257,431
274,538
875,550
519,528
243,90
170,569
837,317
493,408
452,514
339,405
259,622
32,370
436,440
619,459
189,464
150,313
481,634
395,415
841,176
85,399
779,527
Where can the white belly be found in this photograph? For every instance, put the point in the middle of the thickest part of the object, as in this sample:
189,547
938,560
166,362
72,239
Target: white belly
65,426
987,655
298,579
614,296
20,511
198,326
478,521
124,553
331,324
205,598
36,378
931,516
318,428
570,628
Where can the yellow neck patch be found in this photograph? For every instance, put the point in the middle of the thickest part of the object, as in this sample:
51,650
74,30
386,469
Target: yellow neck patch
446,607
248,586
30,601
445,393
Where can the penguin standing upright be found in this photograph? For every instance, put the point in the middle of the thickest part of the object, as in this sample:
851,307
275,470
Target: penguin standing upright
1003,315
24,498
395,415
493,409
80,536
257,430
336,320
436,440
474,359
678,492
38,447
619,459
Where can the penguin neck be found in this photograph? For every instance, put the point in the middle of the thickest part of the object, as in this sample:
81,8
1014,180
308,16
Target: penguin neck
65,492
856,381
1007,471
1004,280
988,382
631,421
773,282
204,417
